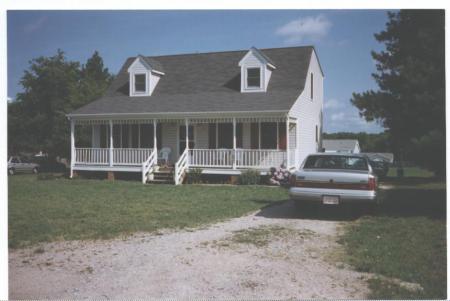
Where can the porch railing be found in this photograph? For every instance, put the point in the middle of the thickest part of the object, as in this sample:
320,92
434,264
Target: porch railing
98,156
131,156
262,158
211,157
241,158
181,166
148,165
121,156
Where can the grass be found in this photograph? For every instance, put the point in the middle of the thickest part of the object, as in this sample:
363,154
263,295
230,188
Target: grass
62,209
410,172
404,239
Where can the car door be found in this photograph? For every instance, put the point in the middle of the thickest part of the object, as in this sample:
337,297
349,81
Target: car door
15,163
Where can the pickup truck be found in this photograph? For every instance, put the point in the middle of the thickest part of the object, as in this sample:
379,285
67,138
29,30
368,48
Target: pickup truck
333,179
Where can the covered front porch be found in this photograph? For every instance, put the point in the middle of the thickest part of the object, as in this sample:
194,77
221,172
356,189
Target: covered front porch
217,145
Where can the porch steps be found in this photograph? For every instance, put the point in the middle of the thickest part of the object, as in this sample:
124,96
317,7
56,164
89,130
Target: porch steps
163,176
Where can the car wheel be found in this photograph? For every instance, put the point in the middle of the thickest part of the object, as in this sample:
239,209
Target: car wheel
35,170
11,171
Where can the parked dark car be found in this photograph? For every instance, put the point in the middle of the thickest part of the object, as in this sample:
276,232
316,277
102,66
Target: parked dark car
379,167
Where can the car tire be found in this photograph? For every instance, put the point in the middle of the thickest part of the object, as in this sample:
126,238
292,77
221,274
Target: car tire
35,170
11,171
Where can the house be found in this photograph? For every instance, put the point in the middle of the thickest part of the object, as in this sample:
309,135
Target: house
385,157
341,146
223,112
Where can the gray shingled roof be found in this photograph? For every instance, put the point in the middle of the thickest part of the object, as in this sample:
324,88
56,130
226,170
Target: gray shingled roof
156,65
208,82
339,144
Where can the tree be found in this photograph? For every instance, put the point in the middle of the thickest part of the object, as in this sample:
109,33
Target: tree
53,87
410,101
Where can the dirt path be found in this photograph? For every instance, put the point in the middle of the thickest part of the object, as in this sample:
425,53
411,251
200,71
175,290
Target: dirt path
272,256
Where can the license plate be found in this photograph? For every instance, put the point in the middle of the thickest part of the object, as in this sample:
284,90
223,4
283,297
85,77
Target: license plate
330,200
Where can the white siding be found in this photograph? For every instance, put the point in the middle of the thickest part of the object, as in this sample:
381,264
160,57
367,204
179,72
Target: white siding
308,113
252,61
154,79
267,76
138,67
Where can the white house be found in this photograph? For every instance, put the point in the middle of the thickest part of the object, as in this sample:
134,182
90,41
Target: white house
223,112
341,146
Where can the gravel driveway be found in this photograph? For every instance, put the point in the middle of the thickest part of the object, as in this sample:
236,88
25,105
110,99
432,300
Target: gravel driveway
271,254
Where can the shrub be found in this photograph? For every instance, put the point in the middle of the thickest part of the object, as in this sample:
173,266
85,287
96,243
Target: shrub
194,176
249,177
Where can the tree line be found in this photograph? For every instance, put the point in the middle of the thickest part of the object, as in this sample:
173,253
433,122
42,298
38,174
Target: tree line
52,87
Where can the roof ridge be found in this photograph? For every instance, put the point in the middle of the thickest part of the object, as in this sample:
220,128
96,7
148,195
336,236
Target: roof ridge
229,51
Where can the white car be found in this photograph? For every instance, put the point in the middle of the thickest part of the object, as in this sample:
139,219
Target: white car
333,179
17,164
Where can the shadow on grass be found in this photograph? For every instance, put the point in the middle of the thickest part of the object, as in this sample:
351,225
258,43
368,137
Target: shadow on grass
400,201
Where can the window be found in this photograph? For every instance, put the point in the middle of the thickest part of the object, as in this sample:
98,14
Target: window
139,82
336,162
253,77
312,86
212,136
268,135
254,135
104,135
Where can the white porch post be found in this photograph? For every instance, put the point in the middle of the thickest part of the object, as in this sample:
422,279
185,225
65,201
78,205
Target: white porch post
72,146
155,142
278,139
111,143
287,142
259,134
234,142
187,133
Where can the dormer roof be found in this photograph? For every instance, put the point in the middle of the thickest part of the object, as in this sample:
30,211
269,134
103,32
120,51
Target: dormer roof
149,62
263,58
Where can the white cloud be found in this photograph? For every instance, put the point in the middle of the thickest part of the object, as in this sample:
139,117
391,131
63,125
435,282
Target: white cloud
338,116
35,25
332,103
312,28
348,120
9,99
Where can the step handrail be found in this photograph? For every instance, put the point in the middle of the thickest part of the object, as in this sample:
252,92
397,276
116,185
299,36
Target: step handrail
148,165
181,166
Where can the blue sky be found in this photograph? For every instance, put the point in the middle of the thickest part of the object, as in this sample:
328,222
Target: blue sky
343,40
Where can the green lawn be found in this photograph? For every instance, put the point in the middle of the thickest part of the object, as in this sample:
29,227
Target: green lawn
404,239
410,172
62,209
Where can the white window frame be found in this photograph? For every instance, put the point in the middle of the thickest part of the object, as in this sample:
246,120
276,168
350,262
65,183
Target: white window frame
260,78
133,91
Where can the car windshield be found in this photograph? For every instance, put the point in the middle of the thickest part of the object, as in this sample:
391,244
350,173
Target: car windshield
336,162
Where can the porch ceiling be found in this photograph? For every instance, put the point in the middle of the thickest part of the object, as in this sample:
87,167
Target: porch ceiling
182,120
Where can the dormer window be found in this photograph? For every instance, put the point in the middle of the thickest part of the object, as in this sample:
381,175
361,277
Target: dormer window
145,74
140,85
253,78
256,70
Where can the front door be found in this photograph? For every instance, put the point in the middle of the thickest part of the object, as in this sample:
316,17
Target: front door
182,138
